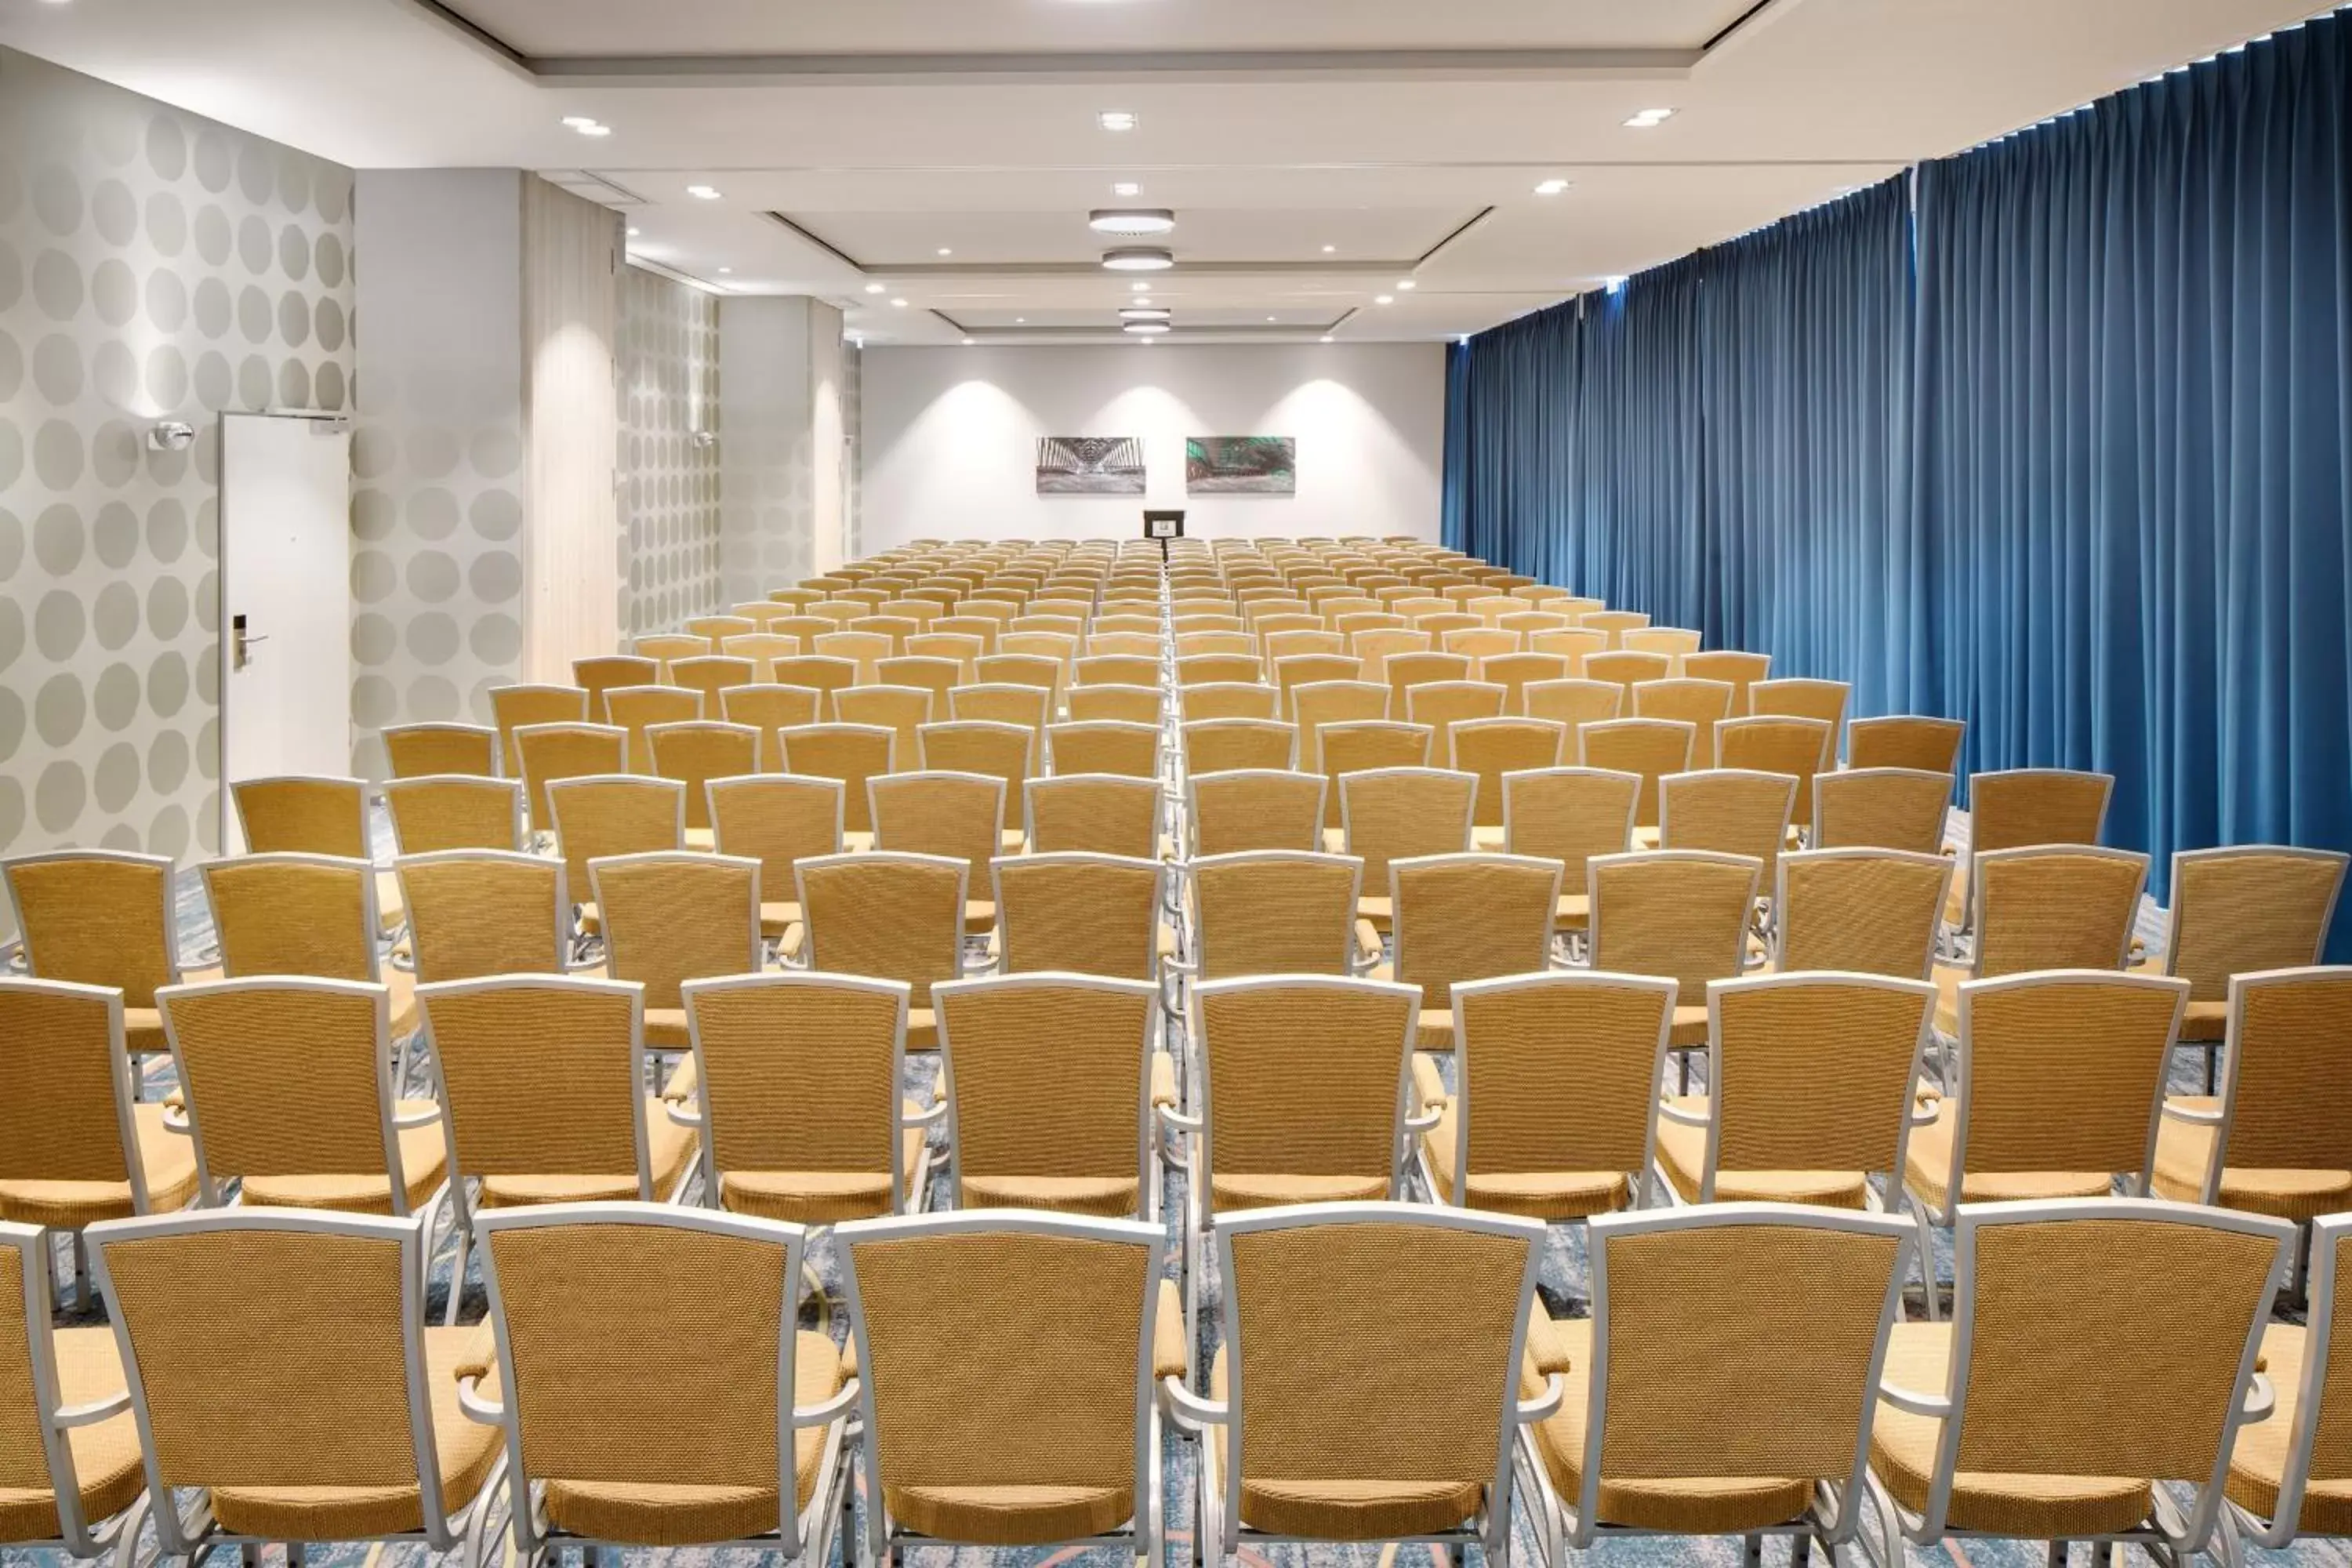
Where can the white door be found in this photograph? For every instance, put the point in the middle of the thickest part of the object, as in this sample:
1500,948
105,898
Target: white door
286,600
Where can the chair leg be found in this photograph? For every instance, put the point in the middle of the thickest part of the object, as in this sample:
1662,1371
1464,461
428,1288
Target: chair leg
2057,1557
1751,1552
462,1220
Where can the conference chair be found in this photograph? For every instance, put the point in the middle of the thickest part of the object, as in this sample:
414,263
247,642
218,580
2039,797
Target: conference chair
2054,1089
1881,808
850,754
938,677
2080,1393
1906,740
1858,911
310,915
596,818
1574,644
818,672
1778,743
800,1113
1613,624
958,816
1576,703
693,754
638,710
1443,704
1737,669
1673,642
777,820
1569,816
1680,914
1767,1433
283,1387
887,916
2020,806
2061,906
1397,813
475,913
1093,814
948,1310
1628,670
429,812
1078,914
1223,745
2288,1475
603,673
103,918
1730,811
670,916
553,752
1116,704
1366,746
1273,912
1129,751
1809,1090
306,816
2244,909
771,709
1030,707
996,750
1280,1464
434,751
514,708
1459,917
1651,749
737,1436
1806,699
1231,810
1702,704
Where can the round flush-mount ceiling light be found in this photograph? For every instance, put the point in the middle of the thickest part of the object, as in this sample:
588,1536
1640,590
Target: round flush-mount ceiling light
1146,329
1131,220
1139,259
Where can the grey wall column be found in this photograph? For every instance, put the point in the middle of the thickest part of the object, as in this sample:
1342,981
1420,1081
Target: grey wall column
781,435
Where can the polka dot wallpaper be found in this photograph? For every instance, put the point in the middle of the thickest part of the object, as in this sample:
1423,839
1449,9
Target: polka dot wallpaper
154,266
670,505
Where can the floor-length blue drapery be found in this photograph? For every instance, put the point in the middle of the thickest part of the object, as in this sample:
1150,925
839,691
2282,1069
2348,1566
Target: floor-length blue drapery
2063,448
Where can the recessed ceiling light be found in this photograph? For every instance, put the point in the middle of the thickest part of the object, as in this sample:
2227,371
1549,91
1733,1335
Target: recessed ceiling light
1407,285
1127,188
876,289
1131,220
947,250
1646,118
726,270
1146,329
635,232
1269,318
1020,321
1551,187
1140,288
1326,338
1384,300
1116,120
1331,250
902,304
587,125
969,342
1144,314
1139,259
703,193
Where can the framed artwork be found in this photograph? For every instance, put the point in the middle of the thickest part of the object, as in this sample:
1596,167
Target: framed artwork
1241,465
1089,465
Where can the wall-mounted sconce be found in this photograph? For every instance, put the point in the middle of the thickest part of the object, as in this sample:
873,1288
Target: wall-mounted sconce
171,435
703,440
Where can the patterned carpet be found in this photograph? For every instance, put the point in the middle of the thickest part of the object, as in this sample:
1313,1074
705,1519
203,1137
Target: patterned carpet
1564,1288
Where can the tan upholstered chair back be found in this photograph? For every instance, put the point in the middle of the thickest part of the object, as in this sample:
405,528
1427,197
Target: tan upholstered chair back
425,751
2070,907
672,918
1702,704
696,753
1729,810
1303,1077
1881,808
1397,813
950,814
888,916
64,1117
2287,1076
294,915
2242,910
2062,1072
1097,814
640,708
541,1075
2026,806
603,673
434,812
1007,751
97,917
514,708
1863,911
598,817
1274,913
1129,751
1079,914
1652,748
1530,1099
1680,914
303,817
1069,1113
1471,916
1778,743
1814,1071
777,820
1906,740
473,912
1570,814
551,751
800,1072
852,753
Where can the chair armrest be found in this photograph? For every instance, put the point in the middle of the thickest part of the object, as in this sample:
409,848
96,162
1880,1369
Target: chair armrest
2175,1111
1673,1112
1189,1410
1174,1121
925,1116
96,1410
827,1411
476,1407
1181,965
1548,1402
1917,1403
791,948
1424,1121
1163,1079
1171,1357
13,959
418,1118
2261,1399
1370,953
175,1118
1925,1109
677,1112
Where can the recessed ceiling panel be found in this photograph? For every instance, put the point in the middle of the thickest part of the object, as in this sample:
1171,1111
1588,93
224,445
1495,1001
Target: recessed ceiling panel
633,28
1296,236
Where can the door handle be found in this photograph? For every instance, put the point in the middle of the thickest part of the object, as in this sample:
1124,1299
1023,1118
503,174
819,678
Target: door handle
241,641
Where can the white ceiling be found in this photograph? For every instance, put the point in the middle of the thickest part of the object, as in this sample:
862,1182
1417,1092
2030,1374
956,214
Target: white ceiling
1407,136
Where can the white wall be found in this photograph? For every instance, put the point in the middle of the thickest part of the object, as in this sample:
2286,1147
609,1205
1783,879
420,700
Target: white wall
950,437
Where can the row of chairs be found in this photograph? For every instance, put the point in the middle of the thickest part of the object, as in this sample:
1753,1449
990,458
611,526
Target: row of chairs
267,1377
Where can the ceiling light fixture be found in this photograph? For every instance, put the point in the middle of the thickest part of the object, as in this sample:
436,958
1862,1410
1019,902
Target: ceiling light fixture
902,304
587,125
1127,188
726,269
1139,259
1326,338
1147,329
969,342
1131,220
1140,288
877,288
1407,285
947,250
1331,250
1144,314
1384,300
1269,318
1647,118
703,193
1551,187
633,233
1117,120
1020,321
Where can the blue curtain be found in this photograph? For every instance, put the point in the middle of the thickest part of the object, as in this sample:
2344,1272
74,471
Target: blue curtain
2133,447
2062,445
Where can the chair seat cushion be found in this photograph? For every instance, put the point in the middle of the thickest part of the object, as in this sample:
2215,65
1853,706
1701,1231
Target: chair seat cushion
1108,1197
1687,1505
106,1455
775,919
2037,1508
1261,1190
2258,1463
1928,1164
1344,1509
167,1159
466,1451
424,1161
668,1513
1682,1153
2184,1150
823,1197
1010,1515
1533,1195
1574,912
670,1145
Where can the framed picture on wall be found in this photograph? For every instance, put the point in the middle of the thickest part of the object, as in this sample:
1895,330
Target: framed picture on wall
1241,465
1089,465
